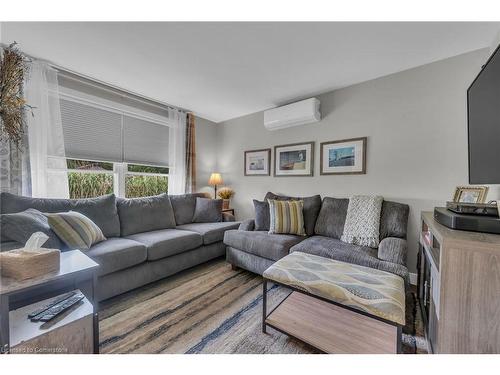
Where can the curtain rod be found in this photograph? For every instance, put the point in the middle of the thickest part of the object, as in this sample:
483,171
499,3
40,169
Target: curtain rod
103,85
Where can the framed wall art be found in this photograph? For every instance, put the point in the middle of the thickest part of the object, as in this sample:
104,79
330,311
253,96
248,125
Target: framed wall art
258,162
347,156
295,159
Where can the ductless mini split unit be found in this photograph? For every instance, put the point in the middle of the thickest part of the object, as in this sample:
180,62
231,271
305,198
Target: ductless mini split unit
295,114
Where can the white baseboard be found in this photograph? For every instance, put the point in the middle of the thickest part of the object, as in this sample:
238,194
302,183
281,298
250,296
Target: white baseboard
413,278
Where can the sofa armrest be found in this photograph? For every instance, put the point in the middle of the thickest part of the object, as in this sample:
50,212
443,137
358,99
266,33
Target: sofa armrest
226,216
248,225
392,249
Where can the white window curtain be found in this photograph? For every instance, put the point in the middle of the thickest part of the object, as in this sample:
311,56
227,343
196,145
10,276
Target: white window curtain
49,176
177,152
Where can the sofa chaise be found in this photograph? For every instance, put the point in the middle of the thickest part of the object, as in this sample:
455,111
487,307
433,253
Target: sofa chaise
256,250
147,238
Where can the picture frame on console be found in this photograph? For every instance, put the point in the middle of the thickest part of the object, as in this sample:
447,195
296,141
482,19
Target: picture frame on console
347,156
470,194
258,162
296,159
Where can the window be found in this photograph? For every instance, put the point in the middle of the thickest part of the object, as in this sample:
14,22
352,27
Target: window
115,142
88,179
141,180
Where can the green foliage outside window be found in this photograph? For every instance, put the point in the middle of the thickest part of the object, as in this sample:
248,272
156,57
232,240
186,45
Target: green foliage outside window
89,185
144,186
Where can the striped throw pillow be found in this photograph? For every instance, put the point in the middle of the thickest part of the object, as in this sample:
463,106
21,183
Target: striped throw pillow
76,230
286,217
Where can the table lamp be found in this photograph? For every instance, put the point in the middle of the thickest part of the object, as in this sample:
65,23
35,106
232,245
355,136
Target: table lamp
214,180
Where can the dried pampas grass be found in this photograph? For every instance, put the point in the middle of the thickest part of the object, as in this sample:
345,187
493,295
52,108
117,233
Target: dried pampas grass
14,66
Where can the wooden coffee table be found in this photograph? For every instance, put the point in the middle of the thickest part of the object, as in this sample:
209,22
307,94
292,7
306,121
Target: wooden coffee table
337,307
77,271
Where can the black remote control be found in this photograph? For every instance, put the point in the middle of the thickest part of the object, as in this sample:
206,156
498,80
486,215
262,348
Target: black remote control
48,306
59,308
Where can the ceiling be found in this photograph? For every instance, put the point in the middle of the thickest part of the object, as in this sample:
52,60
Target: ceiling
226,70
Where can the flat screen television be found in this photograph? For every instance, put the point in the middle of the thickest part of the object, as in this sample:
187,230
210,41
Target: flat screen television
483,122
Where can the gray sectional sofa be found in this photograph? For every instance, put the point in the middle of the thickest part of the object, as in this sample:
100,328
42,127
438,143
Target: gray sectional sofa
147,238
255,250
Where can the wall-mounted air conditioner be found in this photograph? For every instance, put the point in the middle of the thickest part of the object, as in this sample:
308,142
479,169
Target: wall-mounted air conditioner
299,113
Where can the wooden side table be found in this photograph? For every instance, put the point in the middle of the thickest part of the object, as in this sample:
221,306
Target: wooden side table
77,271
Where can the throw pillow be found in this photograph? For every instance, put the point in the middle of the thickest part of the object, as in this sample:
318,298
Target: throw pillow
262,218
184,206
286,217
207,210
76,230
312,205
21,225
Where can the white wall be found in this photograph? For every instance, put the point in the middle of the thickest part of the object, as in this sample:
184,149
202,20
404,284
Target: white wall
495,43
415,122
206,152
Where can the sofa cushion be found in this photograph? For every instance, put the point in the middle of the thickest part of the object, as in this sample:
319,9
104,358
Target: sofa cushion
145,214
335,249
331,218
101,210
394,220
20,226
167,242
211,232
312,205
263,244
116,254
262,215
184,206
207,210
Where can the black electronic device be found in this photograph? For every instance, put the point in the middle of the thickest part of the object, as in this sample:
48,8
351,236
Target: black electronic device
58,308
475,223
51,304
485,209
483,123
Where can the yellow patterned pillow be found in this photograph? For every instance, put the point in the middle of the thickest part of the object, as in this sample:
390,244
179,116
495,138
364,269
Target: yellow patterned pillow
286,217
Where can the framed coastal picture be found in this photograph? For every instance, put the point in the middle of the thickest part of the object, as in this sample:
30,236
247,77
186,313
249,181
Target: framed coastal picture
294,159
470,194
347,156
258,162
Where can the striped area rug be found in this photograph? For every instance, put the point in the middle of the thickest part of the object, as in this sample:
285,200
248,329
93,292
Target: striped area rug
208,309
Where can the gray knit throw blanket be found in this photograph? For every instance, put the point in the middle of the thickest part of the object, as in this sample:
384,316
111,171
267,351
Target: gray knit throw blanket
363,220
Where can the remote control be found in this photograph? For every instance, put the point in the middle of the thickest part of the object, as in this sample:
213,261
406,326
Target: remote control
48,306
59,308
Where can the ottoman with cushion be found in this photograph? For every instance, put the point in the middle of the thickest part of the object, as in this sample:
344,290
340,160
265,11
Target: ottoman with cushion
336,306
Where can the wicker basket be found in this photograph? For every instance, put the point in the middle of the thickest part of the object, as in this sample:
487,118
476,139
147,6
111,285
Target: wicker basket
21,264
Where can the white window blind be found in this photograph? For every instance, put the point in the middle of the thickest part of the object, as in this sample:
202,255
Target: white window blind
91,133
103,125
144,142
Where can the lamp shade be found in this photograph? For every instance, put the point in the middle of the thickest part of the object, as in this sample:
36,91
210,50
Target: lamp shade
215,179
